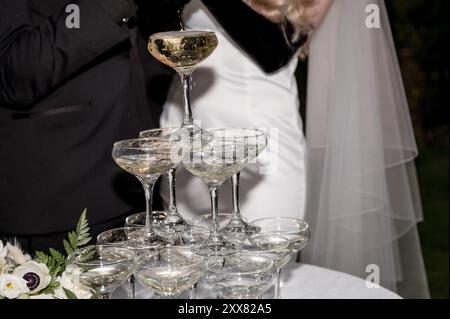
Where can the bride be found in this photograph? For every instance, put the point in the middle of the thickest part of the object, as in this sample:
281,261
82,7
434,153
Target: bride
232,90
356,184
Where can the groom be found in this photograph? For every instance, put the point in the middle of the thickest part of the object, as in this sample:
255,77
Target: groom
66,95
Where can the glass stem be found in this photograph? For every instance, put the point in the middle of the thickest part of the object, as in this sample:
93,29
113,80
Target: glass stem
186,83
148,185
172,192
214,192
180,17
131,287
193,292
107,295
278,285
235,184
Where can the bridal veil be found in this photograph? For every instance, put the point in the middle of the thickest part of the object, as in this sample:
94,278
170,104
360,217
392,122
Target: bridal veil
363,197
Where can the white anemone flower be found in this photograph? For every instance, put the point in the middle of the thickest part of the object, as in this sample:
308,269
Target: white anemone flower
35,274
12,286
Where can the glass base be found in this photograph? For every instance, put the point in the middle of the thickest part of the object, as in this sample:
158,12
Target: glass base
190,129
205,220
142,240
239,228
138,219
216,247
174,223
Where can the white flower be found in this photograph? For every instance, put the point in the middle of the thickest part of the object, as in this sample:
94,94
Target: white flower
15,253
3,265
12,286
3,250
70,280
42,296
35,274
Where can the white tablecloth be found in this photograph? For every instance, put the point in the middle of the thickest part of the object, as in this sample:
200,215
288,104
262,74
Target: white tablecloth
302,281
299,281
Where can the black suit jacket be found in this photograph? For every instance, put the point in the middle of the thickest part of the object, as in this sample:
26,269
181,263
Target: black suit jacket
66,95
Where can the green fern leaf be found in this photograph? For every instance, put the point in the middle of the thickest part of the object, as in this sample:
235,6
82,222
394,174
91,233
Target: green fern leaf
73,240
67,247
82,223
57,256
84,242
51,287
83,237
42,258
69,294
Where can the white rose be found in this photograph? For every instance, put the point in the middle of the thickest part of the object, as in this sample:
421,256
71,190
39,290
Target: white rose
12,286
70,280
16,254
35,274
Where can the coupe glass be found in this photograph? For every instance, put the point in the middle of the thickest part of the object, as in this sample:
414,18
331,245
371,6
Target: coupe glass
240,276
255,143
170,271
147,159
183,51
220,157
130,238
174,222
295,230
275,247
102,267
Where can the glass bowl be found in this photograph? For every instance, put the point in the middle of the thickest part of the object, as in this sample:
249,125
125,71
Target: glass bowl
170,271
296,230
244,275
101,267
276,247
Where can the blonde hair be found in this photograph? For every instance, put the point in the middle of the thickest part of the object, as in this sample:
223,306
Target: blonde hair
279,11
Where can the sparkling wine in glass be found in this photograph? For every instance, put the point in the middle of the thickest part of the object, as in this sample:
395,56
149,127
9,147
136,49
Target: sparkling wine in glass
174,222
170,271
255,144
222,156
295,230
244,275
275,247
147,159
183,51
102,267
129,237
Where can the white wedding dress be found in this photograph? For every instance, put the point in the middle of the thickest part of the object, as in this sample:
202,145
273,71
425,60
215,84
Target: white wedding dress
230,91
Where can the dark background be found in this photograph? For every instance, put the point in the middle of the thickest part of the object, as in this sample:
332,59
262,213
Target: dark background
421,31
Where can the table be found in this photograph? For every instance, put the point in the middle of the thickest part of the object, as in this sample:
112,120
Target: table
302,281
299,281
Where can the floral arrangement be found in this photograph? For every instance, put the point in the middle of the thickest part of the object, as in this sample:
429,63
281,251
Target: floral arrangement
46,276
